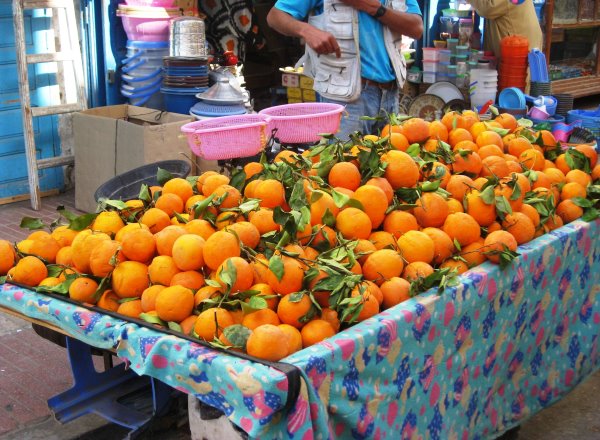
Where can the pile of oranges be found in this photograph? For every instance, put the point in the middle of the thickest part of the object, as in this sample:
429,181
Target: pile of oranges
281,255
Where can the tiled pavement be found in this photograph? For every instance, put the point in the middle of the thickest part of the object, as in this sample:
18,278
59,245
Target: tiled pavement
33,369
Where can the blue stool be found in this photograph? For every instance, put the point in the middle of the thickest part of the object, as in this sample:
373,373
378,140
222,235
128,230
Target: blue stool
118,394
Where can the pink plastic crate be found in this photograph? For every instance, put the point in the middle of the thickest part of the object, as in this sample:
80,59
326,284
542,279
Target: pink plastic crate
303,122
227,137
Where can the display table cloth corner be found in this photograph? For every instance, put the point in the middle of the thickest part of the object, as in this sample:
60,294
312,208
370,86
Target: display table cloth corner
467,364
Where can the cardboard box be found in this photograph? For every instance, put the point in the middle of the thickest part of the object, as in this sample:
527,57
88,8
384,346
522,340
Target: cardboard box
294,92
309,95
306,82
290,80
114,139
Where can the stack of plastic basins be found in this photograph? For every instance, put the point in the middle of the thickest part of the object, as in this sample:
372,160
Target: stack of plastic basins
142,73
513,62
183,79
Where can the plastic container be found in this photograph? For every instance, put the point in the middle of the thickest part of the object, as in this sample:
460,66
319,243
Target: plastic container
303,122
443,67
429,77
444,55
179,100
228,137
431,54
482,96
430,66
514,46
126,186
452,44
414,75
152,3
462,50
142,28
539,113
512,97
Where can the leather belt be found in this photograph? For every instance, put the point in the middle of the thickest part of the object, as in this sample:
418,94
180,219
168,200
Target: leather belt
385,86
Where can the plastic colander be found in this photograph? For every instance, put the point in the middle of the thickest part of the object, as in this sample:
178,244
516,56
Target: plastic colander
228,137
303,122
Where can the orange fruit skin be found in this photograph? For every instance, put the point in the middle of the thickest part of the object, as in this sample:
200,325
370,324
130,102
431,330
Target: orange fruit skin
109,301
431,210
130,279
220,246
291,281
162,269
374,202
382,265
29,271
188,252
353,224
82,289
395,290
416,246
133,309
291,312
268,342
260,317
149,297
7,257
294,338
496,241
315,331
174,303
462,227
401,170
345,174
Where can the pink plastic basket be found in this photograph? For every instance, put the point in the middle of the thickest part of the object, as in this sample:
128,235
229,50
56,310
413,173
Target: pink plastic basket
227,137
303,122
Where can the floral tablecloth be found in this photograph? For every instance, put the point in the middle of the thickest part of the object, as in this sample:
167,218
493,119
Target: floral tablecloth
467,364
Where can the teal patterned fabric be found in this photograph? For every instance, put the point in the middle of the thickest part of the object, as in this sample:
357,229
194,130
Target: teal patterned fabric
467,364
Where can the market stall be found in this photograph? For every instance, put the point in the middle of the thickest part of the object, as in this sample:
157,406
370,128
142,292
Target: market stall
469,362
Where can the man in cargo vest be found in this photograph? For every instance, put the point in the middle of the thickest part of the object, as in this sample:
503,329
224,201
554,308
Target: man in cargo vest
352,51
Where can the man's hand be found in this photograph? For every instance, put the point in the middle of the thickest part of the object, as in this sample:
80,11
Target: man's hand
321,42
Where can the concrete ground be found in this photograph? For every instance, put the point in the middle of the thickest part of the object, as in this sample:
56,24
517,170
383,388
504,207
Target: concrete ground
33,369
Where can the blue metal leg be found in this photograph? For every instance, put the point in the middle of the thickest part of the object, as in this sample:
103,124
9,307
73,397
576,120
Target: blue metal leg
117,394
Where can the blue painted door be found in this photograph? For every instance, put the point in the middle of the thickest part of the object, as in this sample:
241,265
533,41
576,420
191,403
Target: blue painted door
42,82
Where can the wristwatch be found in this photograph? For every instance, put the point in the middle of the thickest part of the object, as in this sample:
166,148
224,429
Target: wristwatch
382,10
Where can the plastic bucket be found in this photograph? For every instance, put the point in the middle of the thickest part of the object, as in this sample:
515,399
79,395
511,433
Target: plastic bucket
179,102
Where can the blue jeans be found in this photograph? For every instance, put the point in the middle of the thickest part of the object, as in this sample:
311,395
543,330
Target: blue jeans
371,102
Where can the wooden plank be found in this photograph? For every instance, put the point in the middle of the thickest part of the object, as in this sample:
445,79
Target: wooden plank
26,111
581,24
21,197
34,321
57,161
578,87
44,4
49,57
56,109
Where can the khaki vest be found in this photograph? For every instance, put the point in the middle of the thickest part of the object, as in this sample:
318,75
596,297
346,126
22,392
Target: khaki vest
339,78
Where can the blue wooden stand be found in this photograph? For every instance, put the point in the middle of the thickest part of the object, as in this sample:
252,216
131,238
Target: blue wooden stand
118,394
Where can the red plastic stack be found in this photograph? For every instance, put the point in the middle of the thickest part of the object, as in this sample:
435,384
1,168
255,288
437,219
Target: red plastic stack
513,62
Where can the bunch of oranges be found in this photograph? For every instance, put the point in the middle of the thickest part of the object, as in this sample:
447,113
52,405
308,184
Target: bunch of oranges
281,255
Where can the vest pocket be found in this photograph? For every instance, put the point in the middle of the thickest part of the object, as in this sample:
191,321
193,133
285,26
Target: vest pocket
338,78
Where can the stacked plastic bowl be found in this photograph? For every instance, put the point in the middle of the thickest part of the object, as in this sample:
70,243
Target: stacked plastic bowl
146,23
142,73
513,62
185,70
222,99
